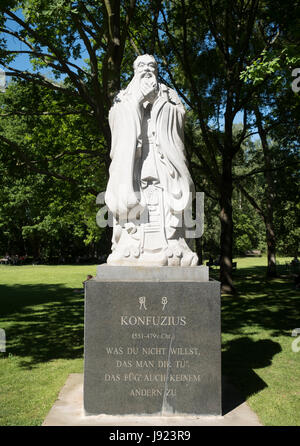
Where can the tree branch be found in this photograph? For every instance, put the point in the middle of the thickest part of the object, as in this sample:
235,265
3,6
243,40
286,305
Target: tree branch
29,163
44,113
78,83
36,77
263,170
251,200
44,56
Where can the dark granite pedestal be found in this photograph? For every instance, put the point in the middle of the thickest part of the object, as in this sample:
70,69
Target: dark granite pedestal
152,342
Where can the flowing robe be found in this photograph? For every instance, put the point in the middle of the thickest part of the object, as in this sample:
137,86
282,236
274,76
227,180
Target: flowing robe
167,122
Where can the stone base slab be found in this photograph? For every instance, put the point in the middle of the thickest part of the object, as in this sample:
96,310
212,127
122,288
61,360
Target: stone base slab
68,411
157,273
152,346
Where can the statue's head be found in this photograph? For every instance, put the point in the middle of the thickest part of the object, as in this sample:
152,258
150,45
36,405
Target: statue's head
145,65
145,74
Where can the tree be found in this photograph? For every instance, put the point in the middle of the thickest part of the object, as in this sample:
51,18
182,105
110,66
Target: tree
47,206
205,48
208,45
276,110
82,44
208,50
57,36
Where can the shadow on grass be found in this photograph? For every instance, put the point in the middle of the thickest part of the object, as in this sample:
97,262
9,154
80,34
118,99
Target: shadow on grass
260,303
240,357
45,322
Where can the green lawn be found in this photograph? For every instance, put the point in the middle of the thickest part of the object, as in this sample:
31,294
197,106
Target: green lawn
42,314
41,310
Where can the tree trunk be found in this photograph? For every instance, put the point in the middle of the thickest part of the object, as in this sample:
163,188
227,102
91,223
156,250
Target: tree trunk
271,243
269,197
199,251
226,227
114,53
270,235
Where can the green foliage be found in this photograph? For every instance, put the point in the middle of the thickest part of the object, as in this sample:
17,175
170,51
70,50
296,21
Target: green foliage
288,228
40,213
248,230
276,60
276,64
287,213
212,229
222,57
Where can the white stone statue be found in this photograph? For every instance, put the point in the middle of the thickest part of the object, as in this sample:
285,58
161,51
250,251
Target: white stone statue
149,184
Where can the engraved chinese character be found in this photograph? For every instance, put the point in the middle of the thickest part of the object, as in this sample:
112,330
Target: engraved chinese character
164,302
142,302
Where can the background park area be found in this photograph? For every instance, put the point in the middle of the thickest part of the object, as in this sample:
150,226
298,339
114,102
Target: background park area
235,66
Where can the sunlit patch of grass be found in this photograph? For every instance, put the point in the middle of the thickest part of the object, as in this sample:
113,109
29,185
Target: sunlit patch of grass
42,314
257,324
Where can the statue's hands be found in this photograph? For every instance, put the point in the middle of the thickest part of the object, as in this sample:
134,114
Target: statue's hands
148,89
173,97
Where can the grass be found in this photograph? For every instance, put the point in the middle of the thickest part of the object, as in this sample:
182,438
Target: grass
41,310
256,337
